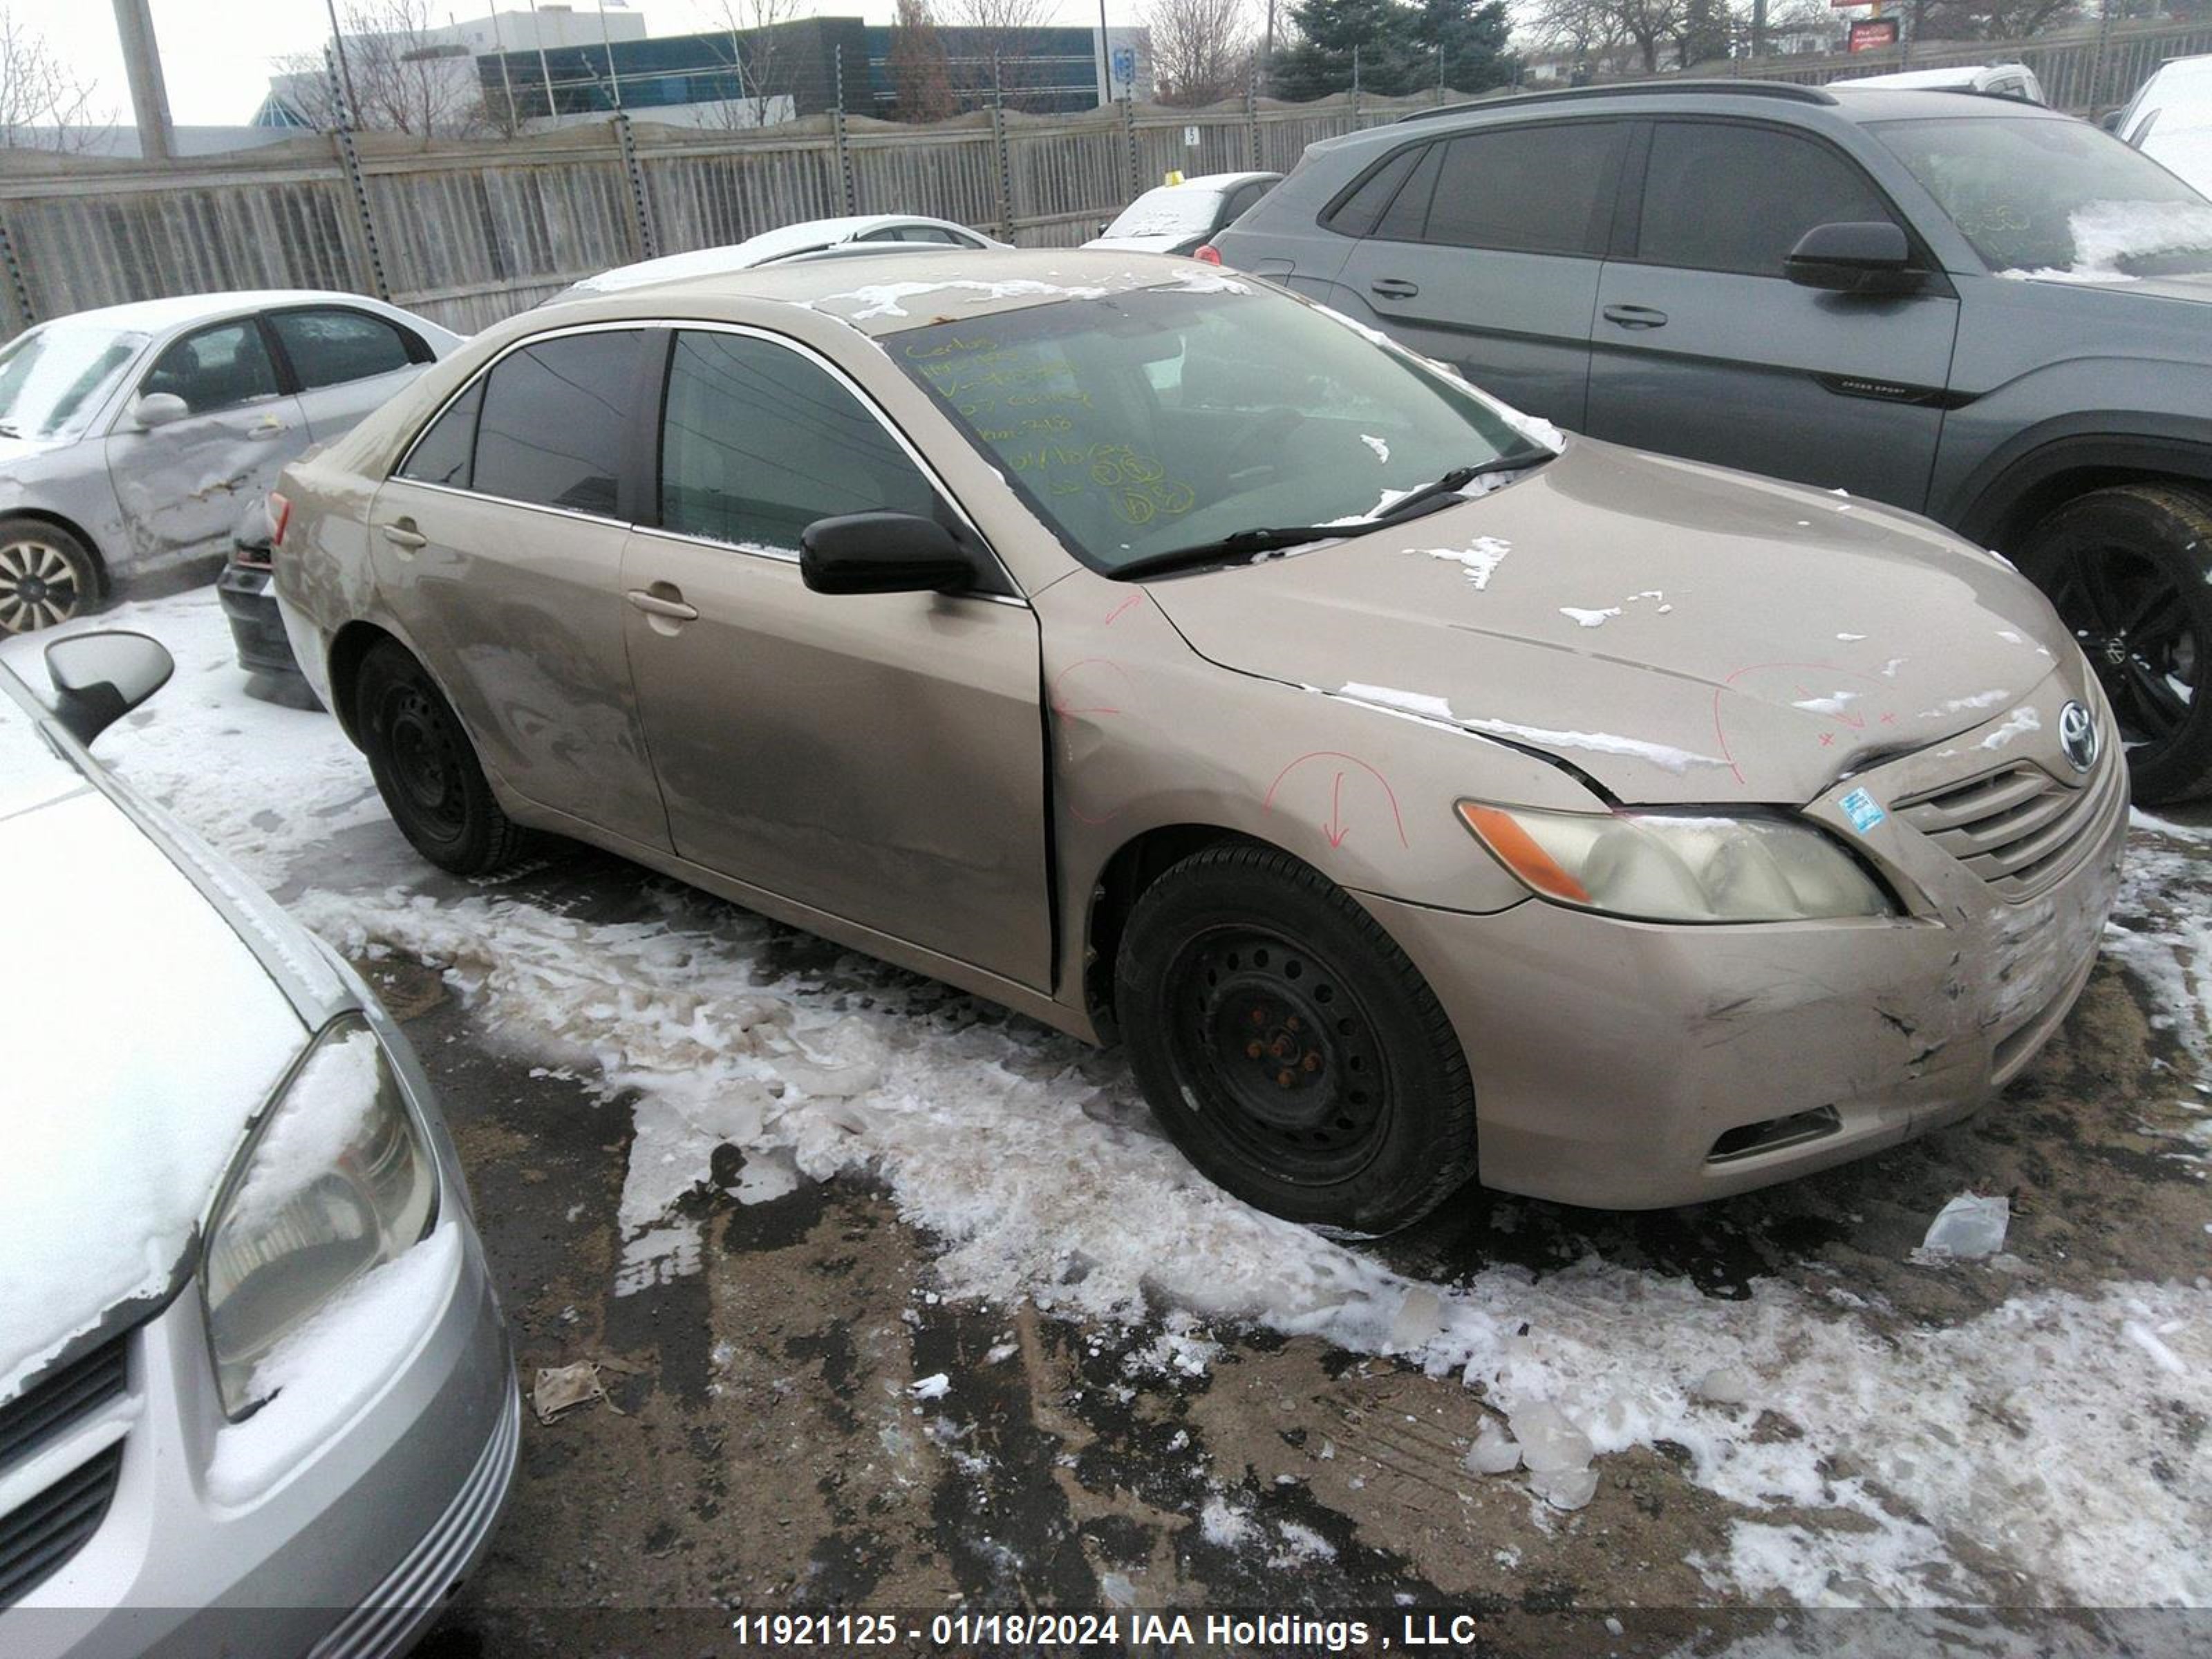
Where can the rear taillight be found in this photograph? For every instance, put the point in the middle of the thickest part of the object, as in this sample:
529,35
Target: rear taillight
1207,252
280,514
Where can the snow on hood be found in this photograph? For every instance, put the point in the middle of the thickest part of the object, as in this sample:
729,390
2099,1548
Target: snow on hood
1165,241
140,1041
1678,633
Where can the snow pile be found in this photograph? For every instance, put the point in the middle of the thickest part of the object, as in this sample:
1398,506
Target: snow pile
1480,558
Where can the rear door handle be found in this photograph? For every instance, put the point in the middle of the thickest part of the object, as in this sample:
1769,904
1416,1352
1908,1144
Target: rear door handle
654,606
1394,287
404,534
1636,316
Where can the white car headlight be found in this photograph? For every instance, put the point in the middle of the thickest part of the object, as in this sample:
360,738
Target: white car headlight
1659,866
337,1180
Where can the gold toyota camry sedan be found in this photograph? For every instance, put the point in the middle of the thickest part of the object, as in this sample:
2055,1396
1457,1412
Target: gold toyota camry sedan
1417,792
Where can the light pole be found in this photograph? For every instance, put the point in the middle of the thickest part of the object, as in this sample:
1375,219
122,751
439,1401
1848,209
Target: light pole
345,69
1105,58
614,77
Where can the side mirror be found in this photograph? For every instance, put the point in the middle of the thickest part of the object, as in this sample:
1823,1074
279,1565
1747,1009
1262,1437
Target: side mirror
100,677
2110,120
158,409
1869,257
882,553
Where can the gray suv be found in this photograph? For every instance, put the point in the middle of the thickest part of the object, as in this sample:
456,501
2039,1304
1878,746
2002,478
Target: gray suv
1985,311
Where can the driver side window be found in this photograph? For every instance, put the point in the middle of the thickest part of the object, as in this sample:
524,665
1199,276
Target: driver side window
214,369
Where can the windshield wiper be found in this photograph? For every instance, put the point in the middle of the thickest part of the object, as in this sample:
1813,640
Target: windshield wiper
8,429
1432,497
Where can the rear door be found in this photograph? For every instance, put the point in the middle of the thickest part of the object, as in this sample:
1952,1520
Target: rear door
497,545
878,758
1703,348
1488,254
183,486
345,362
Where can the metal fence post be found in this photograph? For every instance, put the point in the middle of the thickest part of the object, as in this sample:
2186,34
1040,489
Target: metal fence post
1251,120
640,204
1002,167
349,160
18,291
1355,89
1129,143
846,182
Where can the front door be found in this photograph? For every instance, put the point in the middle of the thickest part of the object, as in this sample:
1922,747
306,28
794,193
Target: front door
1702,348
183,486
877,757
1487,258
498,543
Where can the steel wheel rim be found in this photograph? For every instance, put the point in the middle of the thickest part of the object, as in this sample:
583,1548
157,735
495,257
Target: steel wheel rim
1279,1058
39,586
2133,624
425,761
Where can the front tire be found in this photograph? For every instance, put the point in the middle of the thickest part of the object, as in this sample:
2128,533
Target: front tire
2127,570
47,576
426,768
1289,1048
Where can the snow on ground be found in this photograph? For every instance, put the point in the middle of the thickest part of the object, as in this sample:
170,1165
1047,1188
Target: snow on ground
2044,1433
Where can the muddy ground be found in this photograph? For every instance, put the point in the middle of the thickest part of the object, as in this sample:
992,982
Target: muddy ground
762,1447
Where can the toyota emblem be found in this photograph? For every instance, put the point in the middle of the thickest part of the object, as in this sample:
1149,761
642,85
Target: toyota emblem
2077,735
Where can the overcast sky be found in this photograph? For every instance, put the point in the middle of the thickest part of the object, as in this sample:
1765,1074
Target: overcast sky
218,55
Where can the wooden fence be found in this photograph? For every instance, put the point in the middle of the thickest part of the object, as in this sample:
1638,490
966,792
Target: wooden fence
466,233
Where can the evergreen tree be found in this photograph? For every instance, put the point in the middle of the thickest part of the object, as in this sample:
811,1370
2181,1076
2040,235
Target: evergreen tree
1397,45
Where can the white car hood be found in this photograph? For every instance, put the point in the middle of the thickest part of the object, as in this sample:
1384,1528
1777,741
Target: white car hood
141,1036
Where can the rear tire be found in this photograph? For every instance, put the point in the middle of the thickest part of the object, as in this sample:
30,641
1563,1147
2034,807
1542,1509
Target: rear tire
47,576
2127,568
426,768
1289,1048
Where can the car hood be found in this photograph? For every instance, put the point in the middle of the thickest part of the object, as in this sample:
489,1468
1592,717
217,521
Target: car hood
16,452
1678,633
141,1035
2194,286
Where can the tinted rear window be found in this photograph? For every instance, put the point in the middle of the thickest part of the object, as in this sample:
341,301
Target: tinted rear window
1356,213
554,418
1530,190
442,454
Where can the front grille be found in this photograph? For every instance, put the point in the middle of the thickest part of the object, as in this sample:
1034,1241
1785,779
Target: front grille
2019,828
37,1539
55,1402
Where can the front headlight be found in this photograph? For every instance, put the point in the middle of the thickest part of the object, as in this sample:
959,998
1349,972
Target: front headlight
336,1181
1656,866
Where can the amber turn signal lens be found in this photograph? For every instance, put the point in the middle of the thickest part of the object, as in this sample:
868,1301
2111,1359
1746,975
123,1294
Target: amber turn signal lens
1516,849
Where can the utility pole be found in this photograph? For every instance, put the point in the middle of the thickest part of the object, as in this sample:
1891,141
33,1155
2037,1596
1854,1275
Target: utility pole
345,69
544,69
141,63
613,77
1105,59
1759,28
1268,53
506,85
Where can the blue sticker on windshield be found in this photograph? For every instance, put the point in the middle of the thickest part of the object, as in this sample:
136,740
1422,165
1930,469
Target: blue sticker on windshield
1863,811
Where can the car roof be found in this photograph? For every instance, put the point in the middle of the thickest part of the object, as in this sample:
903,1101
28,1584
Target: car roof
904,289
157,316
1214,182
1955,76
808,236
1841,98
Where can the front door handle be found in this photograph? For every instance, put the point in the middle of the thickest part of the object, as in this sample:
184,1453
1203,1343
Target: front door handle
1636,316
1394,287
655,605
404,534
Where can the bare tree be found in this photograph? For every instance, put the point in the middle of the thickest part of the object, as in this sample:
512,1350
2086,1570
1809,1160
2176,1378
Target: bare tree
1201,49
991,54
768,64
406,72
43,104
919,72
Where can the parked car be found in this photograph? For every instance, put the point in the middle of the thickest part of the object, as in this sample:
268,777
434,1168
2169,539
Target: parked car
1985,312
256,1392
1185,217
2014,81
811,238
1634,834
132,437
2170,119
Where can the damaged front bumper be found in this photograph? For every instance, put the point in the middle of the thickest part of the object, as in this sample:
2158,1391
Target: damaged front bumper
1633,1065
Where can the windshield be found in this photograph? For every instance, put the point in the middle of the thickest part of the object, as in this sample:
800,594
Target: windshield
52,380
2056,197
1162,418
1168,211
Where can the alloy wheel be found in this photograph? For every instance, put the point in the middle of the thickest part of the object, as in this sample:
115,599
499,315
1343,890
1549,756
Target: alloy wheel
39,586
2134,626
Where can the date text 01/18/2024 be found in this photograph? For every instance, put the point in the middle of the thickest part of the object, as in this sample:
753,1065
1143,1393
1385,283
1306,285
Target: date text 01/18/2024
1054,1630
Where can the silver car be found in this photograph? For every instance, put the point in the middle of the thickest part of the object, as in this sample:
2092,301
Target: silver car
134,437
256,1393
